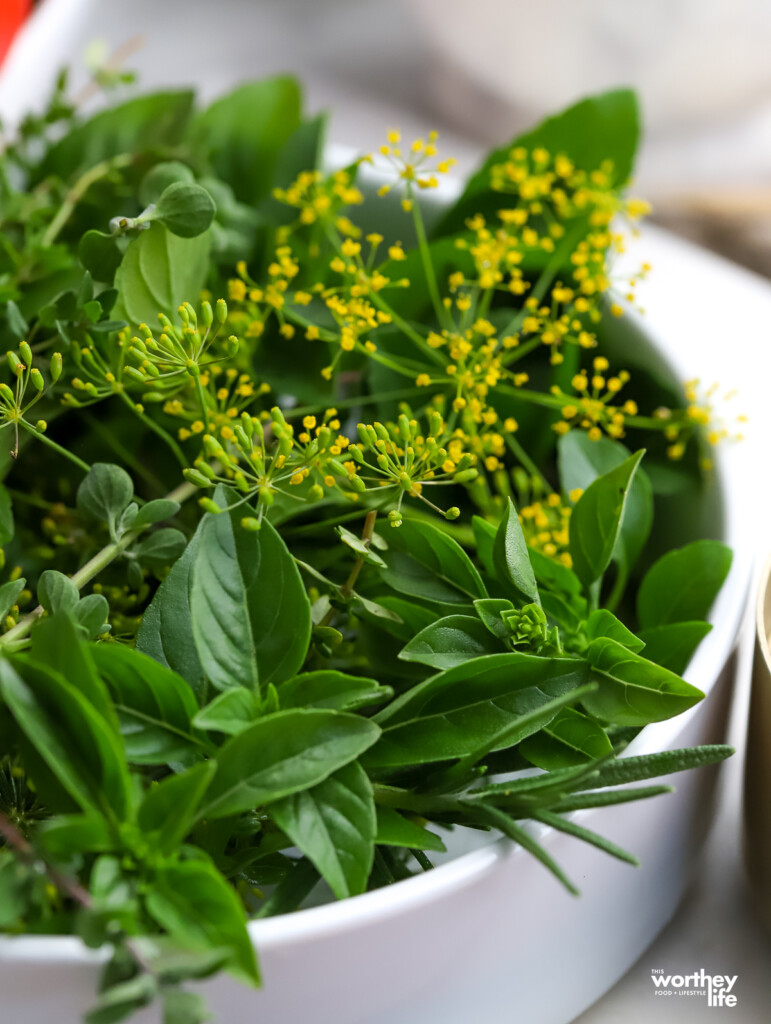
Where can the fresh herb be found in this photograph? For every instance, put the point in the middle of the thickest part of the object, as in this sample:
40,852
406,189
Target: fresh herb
417,590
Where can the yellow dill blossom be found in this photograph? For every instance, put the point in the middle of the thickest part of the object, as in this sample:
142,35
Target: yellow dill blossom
320,198
590,406
416,164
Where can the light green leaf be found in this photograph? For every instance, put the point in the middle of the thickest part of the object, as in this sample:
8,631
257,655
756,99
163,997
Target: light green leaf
105,492
511,558
393,829
193,903
329,688
250,613
185,209
169,806
283,754
450,641
230,712
571,738
159,271
596,520
634,691
681,585
333,824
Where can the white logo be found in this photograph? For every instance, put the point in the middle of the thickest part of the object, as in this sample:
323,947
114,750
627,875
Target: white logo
716,987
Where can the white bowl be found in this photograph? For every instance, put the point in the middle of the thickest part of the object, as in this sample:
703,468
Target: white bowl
490,936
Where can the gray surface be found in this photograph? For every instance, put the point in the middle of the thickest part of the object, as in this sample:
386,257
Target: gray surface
370,65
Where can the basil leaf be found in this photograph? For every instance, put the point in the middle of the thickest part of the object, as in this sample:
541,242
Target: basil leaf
193,903
250,613
70,736
283,754
159,119
155,706
423,561
599,128
634,691
672,646
69,835
449,641
553,575
393,829
581,461
169,806
333,824
166,632
328,688
230,712
681,585
484,535
604,623
596,520
569,739
454,713
158,272
55,642
511,558
242,133
104,493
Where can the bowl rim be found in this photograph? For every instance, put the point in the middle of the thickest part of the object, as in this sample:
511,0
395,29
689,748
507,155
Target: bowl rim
370,908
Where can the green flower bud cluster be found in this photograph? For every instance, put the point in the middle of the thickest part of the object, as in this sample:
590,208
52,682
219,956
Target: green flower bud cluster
410,458
529,625
29,386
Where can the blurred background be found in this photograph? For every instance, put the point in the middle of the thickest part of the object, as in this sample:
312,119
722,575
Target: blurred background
479,71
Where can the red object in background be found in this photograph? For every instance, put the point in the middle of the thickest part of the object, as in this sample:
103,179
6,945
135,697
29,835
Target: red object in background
12,14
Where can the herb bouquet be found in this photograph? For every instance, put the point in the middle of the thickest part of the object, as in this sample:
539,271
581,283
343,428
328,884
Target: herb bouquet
328,521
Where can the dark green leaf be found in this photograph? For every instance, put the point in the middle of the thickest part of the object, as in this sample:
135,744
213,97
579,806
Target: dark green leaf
55,642
100,254
230,712
72,738
242,133
328,688
581,461
250,613
17,325
423,561
158,119
166,632
456,712
283,754
195,905
169,807
69,835
681,585
393,829
596,520
154,705
634,691
604,623
511,558
333,824
672,646
599,128
569,739
450,641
